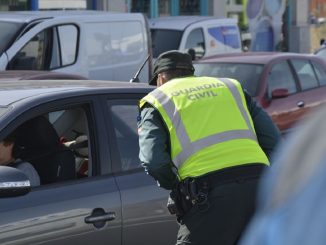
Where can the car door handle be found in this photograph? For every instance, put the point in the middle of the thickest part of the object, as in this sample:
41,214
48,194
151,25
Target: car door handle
300,103
99,215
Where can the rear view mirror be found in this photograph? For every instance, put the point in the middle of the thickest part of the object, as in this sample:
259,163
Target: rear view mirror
13,182
280,93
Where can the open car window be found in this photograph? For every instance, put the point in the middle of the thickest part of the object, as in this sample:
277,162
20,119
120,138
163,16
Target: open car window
56,144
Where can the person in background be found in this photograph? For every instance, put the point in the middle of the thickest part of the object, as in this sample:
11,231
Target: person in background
207,141
8,158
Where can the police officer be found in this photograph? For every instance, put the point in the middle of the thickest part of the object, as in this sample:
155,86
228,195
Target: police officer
206,140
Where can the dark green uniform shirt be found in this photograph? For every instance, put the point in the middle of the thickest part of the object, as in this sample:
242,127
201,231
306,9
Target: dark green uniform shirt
154,141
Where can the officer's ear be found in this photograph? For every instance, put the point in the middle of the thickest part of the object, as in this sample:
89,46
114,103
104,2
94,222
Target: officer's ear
161,79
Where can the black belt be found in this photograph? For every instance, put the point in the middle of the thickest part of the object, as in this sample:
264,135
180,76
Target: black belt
231,174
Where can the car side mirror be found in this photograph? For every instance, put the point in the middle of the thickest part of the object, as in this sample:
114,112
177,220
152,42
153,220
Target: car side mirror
192,53
13,182
280,93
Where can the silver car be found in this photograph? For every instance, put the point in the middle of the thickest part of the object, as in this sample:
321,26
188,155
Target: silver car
81,137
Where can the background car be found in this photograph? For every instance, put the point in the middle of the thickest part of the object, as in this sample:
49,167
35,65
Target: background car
81,136
287,85
204,35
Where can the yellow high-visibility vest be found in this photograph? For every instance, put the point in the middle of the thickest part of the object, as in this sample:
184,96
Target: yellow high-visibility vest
209,124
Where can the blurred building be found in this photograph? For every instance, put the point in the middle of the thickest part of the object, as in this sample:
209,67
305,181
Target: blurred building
317,21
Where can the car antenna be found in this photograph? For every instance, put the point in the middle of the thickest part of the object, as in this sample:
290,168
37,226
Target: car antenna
135,79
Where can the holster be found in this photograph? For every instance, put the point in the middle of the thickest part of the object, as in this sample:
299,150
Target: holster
183,198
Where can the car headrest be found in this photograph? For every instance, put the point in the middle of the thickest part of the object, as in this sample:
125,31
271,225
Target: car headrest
36,134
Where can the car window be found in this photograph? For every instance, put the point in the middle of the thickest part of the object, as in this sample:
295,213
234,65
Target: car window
68,36
305,74
165,40
196,41
56,144
64,46
247,74
32,55
280,77
124,118
51,48
320,72
9,30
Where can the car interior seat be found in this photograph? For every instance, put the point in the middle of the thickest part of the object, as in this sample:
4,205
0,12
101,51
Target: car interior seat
38,143
80,147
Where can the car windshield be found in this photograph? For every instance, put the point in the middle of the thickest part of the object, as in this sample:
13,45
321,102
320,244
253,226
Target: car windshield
247,74
8,31
165,40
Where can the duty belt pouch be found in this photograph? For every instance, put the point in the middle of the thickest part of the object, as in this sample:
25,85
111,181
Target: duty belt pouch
174,204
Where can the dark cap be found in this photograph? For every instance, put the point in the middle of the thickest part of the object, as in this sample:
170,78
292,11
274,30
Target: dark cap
171,60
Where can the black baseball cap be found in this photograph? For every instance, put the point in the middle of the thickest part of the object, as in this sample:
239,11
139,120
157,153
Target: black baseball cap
171,60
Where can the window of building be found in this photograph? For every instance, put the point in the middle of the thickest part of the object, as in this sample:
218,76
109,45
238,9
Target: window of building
13,5
142,6
189,7
164,7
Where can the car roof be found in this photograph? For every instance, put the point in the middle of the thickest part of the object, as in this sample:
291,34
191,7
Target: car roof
14,91
182,22
29,16
253,57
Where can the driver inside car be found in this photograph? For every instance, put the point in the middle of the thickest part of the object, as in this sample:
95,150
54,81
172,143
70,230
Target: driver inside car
9,158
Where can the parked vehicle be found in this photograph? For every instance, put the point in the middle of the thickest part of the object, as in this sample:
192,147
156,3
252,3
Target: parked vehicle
287,85
94,44
201,36
88,127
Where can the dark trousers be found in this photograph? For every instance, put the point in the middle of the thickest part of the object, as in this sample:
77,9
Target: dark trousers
231,205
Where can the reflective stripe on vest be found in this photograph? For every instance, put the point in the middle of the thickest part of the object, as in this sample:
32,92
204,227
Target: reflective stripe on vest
188,147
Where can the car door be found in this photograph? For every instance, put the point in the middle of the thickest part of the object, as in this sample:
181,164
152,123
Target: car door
283,110
44,47
83,210
311,76
146,219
